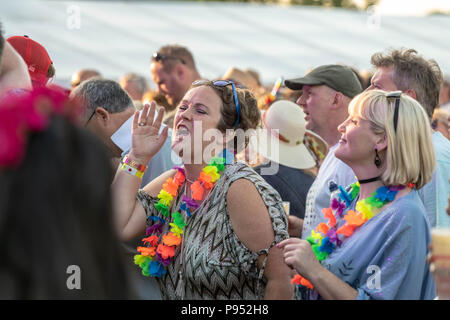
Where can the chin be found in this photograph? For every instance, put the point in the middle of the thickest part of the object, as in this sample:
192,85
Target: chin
340,154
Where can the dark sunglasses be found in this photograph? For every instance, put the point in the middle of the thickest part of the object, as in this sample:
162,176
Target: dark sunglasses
223,83
395,95
161,57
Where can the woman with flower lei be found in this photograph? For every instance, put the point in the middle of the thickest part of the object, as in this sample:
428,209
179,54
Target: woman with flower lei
212,224
374,242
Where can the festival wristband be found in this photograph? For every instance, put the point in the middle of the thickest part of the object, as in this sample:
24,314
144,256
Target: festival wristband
131,163
132,171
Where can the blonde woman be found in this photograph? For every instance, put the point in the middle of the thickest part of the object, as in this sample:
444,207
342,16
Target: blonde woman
374,244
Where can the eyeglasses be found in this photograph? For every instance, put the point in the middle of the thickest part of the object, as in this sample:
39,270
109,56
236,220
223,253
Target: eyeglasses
223,83
161,57
395,95
92,114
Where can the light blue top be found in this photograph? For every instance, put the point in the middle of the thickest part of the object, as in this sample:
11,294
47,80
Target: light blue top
164,160
386,257
319,194
434,194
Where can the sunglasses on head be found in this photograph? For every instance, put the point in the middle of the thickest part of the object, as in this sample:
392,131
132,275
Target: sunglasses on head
223,83
161,57
395,95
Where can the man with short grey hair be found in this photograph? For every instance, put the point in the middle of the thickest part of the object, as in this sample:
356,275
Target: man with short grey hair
109,115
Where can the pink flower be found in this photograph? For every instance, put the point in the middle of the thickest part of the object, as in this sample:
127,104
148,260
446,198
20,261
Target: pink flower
338,207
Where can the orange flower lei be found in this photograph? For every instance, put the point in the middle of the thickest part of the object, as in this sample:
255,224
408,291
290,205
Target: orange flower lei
155,256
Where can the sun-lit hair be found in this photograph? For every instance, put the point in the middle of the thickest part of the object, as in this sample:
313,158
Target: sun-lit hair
410,156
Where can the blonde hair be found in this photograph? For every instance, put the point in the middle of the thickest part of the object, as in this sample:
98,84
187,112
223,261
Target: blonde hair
410,156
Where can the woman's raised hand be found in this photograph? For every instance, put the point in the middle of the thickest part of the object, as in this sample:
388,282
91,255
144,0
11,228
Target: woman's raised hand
146,140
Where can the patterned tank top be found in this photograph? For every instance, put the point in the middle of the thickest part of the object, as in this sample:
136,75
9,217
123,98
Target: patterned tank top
212,263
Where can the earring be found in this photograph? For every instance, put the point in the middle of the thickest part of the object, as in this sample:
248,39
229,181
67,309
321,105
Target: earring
377,158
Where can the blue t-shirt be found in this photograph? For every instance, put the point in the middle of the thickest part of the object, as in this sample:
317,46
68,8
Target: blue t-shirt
386,257
435,193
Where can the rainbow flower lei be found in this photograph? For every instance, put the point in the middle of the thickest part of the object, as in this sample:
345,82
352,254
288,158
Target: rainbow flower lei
159,252
327,236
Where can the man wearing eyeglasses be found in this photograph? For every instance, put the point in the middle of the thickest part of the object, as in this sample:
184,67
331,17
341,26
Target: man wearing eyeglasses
419,78
173,71
109,115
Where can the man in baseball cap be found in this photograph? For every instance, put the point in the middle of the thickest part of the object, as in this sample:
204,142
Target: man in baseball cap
326,93
39,64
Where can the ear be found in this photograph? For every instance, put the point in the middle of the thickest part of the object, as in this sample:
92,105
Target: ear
381,143
102,116
337,100
411,93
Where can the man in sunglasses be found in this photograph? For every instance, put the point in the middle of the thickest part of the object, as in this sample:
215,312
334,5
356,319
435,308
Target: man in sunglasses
407,71
173,71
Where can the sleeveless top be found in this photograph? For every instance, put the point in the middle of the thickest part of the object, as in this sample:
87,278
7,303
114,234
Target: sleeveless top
212,263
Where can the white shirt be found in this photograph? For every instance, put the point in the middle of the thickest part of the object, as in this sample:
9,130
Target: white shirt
319,194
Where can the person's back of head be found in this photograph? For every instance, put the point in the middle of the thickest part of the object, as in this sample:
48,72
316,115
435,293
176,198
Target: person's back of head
55,206
413,75
40,66
134,84
83,75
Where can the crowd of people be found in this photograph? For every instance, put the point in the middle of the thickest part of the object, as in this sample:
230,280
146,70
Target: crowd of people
222,188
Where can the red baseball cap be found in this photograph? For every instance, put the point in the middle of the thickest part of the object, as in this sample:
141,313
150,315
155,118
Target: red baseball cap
35,56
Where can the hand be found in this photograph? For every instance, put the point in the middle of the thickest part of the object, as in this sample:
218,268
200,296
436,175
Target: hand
299,255
295,226
146,140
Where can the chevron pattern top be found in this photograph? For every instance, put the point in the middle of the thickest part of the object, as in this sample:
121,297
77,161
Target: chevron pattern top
212,263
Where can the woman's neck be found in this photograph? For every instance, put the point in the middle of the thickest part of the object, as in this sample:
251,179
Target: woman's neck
364,173
193,171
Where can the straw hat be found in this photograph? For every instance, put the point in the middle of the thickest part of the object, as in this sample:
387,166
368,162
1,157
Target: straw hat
284,135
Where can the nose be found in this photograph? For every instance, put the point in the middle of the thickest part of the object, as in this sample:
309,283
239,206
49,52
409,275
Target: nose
184,114
371,87
341,128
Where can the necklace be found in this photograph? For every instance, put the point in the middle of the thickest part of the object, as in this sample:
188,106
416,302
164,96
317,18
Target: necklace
159,252
369,180
328,236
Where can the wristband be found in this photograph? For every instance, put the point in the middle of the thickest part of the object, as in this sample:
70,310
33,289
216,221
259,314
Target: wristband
131,163
132,171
